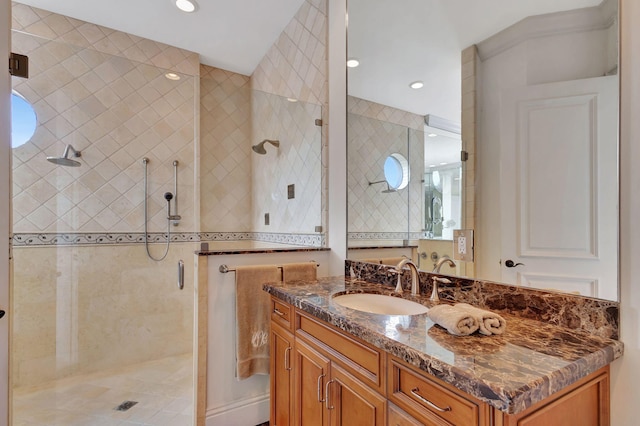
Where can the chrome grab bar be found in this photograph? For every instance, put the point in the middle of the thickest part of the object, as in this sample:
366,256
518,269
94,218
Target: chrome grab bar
180,274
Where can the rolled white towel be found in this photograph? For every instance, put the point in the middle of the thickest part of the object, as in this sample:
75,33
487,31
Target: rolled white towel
488,322
457,321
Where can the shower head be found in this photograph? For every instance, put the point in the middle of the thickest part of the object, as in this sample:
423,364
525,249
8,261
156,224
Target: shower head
259,148
65,160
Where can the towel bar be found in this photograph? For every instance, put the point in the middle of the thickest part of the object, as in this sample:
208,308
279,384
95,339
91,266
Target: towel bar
224,268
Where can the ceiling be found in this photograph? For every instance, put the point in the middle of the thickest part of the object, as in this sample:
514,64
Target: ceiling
230,34
401,41
396,41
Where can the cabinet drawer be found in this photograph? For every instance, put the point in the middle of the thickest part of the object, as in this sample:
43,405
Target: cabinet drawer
428,400
282,313
366,363
397,417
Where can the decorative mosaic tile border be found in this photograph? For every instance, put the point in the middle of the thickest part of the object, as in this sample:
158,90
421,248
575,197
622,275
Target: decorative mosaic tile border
83,239
360,236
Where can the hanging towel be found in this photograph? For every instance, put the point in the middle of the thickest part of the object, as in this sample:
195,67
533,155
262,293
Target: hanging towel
488,322
457,321
392,261
252,319
299,271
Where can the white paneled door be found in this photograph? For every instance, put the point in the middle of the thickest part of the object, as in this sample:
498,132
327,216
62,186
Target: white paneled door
5,206
559,190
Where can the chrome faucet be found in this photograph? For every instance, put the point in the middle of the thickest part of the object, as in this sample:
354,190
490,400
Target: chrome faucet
414,274
434,293
441,261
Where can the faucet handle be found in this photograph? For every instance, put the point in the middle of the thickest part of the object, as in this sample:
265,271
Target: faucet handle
442,280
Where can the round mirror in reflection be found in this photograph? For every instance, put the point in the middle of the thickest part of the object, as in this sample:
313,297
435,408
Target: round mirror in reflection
23,120
396,171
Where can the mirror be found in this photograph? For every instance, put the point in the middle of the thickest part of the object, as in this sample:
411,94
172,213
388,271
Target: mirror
533,89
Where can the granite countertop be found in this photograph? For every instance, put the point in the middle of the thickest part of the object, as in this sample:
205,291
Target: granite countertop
511,372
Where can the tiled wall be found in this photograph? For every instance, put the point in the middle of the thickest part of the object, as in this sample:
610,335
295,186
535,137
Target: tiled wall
87,309
296,162
115,111
79,309
225,151
296,67
375,132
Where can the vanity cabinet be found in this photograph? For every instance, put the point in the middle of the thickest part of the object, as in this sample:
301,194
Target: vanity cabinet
323,376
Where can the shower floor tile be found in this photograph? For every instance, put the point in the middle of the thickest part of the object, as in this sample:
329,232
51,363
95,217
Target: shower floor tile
163,390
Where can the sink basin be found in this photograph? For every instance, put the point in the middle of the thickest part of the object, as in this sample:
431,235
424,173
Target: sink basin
380,304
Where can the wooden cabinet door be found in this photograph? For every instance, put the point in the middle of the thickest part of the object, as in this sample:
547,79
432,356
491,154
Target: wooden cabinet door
351,403
281,376
311,374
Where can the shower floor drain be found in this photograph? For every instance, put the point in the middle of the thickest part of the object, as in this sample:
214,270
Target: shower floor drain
125,405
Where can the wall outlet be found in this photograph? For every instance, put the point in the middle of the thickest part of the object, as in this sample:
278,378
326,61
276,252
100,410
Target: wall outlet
266,218
463,245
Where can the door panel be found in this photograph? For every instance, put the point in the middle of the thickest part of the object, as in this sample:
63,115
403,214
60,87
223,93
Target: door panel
354,404
281,376
559,186
311,375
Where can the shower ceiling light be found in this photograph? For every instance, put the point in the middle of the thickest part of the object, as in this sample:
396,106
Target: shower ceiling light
292,100
432,135
353,62
186,5
416,85
172,76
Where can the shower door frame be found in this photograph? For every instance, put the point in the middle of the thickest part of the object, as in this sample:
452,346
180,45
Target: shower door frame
5,209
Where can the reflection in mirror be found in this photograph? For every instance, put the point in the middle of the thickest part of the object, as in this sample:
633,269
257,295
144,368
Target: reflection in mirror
535,88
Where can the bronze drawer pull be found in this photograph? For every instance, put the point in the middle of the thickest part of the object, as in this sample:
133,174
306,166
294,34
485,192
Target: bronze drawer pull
287,361
276,311
320,388
327,395
415,393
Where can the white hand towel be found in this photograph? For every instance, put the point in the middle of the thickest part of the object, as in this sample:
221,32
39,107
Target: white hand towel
457,321
489,322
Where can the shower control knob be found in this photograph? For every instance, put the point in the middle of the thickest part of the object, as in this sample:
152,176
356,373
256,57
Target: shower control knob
168,196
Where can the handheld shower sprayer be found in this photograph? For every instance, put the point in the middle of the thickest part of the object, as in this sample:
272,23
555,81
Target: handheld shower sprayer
169,196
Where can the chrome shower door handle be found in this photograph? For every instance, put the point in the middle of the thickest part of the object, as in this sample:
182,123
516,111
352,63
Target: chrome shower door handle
180,274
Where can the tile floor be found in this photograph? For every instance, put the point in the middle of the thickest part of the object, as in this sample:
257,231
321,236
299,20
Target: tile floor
163,390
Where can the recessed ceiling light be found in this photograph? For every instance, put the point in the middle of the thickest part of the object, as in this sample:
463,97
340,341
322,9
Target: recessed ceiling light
443,164
353,62
186,5
292,99
172,76
432,135
432,165
416,85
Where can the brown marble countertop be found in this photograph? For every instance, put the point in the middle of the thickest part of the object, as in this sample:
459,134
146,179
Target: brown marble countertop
511,372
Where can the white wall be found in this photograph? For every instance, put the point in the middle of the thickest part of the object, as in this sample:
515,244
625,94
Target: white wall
5,208
625,380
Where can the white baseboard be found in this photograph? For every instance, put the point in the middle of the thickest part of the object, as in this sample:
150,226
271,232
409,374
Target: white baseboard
248,412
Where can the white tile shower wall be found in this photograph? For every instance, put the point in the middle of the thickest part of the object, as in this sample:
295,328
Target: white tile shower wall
297,161
296,67
225,151
374,136
84,309
116,111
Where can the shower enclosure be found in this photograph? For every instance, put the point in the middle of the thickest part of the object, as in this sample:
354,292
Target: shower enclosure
101,333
